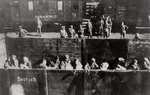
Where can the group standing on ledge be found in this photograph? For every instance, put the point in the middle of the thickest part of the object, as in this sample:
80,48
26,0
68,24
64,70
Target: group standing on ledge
104,29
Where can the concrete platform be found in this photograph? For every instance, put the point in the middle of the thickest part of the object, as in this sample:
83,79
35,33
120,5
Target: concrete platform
57,35
35,35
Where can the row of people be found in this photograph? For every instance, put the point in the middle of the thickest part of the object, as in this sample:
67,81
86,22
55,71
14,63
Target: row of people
104,25
80,34
105,28
104,31
12,62
120,64
66,63
72,33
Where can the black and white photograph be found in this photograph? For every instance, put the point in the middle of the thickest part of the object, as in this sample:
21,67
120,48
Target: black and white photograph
74,47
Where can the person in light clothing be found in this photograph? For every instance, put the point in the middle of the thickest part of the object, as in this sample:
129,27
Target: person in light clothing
104,66
39,25
67,62
63,33
78,64
26,63
72,32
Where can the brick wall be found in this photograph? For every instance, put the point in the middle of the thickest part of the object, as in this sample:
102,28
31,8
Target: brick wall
36,48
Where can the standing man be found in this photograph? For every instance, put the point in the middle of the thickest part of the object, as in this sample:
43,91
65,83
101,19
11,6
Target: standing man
123,28
63,33
81,32
109,25
39,25
72,32
90,26
101,28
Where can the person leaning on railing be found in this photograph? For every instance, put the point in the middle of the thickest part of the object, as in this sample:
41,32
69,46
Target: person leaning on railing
26,64
134,65
43,64
146,63
104,66
78,64
11,62
68,65
7,63
94,65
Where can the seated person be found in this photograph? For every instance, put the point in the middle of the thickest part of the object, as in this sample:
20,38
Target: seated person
104,66
121,64
68,66
87,66
57,63
22,32
62,65
134,65
146,64
14,62
78,64
94,64
67,63
53,65
26,63
120,67
43,64
8,63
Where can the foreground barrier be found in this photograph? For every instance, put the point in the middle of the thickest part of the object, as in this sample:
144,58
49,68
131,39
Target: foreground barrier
60,82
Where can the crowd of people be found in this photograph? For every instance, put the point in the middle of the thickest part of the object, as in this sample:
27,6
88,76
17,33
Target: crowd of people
66,63
104,31
12,62
120,64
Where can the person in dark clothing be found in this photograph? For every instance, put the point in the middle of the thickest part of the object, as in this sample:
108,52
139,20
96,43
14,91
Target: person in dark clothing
134,65
101,28
94,65
81,32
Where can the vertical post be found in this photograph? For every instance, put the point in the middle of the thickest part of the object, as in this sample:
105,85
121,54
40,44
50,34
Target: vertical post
46,82
83,51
